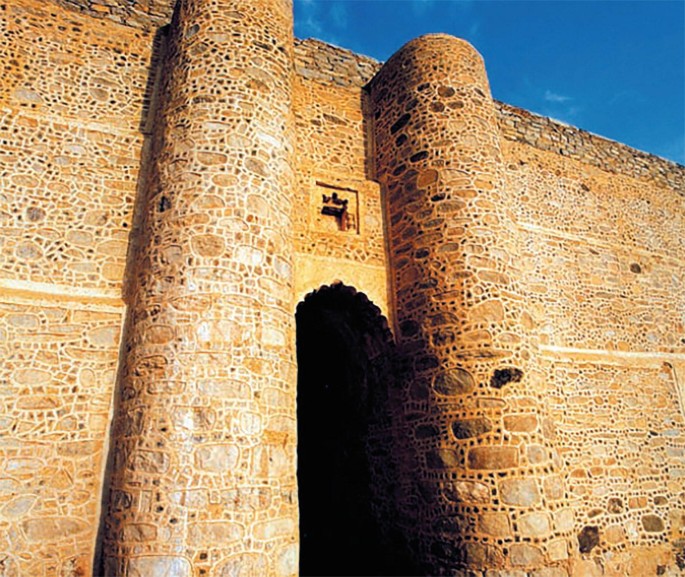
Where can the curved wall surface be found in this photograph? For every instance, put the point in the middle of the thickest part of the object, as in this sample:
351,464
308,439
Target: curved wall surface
535,422
481,483
203,467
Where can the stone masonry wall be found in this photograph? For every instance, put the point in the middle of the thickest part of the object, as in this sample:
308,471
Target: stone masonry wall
544,133
332,65
480,485
604,279
203,475
73,92
332,159
144,14
587,240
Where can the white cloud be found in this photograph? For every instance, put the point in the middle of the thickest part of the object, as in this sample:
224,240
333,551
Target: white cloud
473,30
561,108
312,26
554,97
339,15
570,115
308,22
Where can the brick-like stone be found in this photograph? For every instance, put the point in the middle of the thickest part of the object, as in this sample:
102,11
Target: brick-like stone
519,492
508,238
455,381
467,492
534,525
520,423
493,458
495,524
145,566
466,428
523,554
652,523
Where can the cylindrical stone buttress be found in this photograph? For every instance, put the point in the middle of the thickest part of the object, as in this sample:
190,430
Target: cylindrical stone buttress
203,475
479,486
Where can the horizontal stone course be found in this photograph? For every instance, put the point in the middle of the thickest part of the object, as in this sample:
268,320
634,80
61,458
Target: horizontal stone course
538,295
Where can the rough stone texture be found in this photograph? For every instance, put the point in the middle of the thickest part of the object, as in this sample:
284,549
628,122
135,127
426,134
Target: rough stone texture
331,130
517,247
207,275
459,311
56,396
71,146
145,14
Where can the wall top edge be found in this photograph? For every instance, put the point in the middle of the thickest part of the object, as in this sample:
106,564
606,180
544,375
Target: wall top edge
325,63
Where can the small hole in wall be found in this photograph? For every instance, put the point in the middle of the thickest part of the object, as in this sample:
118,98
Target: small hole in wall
164,204
636,268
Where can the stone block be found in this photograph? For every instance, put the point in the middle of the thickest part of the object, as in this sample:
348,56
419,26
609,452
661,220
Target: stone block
553,487
614,534
248,564
467,428
18,507
273,529
149,461
563,520
652,523
520,423
519,492
48,529
493,458
534,525
443,459
217,458
557,550
140,532
454,381
31,377
218,533
587,568
525,555
467,492
162,565
287,561
495,524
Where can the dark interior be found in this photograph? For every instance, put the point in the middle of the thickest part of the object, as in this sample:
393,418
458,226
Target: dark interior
338,529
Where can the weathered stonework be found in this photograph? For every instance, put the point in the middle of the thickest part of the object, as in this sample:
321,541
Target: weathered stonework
175,177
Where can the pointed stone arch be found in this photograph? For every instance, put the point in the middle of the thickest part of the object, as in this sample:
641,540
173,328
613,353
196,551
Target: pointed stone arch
345,354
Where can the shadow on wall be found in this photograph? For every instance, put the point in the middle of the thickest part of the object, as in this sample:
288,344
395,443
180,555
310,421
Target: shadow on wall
345,471
146,126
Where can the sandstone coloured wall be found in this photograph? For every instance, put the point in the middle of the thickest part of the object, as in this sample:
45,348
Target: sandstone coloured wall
604,281
72,101
532,272
204,440
332,152
481,484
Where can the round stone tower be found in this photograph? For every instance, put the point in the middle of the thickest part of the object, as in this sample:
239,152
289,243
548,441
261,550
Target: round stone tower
479,486
203,474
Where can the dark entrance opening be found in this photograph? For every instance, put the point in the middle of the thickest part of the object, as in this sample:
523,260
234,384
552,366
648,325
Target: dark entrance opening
343,355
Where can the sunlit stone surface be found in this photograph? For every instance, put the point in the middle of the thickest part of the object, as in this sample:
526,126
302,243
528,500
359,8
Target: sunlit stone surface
176,177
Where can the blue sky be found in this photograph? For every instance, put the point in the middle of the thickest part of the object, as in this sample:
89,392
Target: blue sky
613,67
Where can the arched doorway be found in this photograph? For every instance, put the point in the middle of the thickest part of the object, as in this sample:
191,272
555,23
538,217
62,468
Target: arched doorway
344,355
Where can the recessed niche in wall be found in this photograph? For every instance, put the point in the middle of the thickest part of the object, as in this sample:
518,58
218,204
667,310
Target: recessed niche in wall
334,208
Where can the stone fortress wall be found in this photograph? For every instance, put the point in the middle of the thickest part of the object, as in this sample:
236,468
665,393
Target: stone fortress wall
533,271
